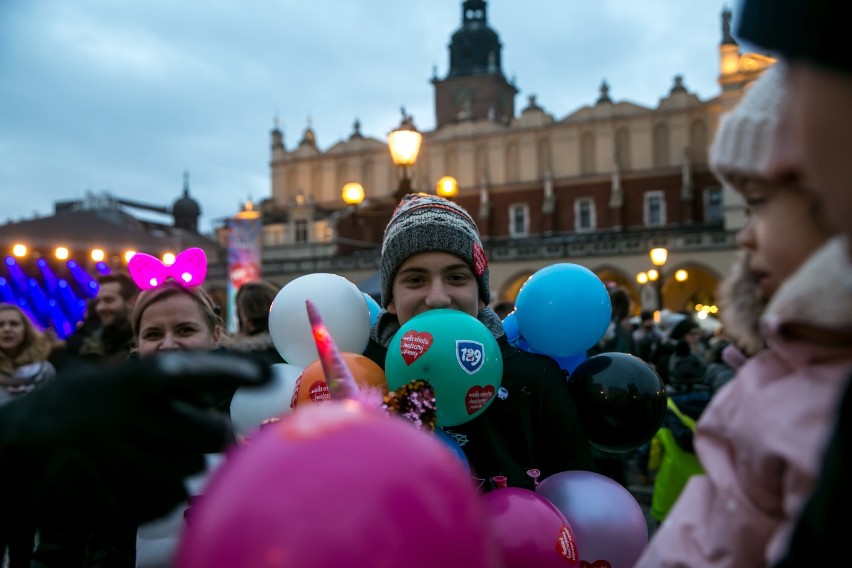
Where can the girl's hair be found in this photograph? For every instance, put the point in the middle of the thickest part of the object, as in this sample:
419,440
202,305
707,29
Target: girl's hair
253,302
171,288
35,346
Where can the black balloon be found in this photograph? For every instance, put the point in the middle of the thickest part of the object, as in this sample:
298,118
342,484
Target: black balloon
621,400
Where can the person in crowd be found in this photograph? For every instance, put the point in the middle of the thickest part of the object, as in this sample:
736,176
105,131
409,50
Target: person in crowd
70,455
761,438
109,343
686,366
617,337
647,337
170,317
253,302
504,308
812,145
174,318
23,354
23,368
432,258
719,371
112,341
680,349
671,454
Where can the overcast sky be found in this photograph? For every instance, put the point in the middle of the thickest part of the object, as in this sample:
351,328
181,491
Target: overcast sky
123,96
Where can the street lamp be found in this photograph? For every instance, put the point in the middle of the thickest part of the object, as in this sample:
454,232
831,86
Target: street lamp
404,145
447,187
352,194
658,256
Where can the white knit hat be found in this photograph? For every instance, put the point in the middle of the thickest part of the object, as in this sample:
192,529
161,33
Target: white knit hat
742,144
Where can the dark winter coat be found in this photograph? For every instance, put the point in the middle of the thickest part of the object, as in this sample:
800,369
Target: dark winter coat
532,423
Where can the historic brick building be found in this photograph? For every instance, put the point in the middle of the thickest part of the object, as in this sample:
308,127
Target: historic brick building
598,187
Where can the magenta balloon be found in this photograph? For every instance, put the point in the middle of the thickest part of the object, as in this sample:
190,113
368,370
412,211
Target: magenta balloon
339,485
530,530
607,521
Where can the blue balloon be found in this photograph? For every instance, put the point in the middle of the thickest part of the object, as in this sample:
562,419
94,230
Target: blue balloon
563,309
374,306
570,362
510,326
453,445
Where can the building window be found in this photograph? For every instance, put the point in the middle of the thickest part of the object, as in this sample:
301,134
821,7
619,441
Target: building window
519,220
584,215
273,235
301,229
713,205
655,208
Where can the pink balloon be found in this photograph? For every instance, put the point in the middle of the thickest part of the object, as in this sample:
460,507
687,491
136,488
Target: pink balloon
339,484
608,523
530,531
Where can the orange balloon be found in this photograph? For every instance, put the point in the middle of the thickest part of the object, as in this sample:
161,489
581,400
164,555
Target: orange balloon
312,388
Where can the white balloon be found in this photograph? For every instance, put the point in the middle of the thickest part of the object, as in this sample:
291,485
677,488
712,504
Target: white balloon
341,305
250,406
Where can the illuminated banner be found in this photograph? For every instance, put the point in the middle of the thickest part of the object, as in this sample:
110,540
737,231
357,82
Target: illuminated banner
243,258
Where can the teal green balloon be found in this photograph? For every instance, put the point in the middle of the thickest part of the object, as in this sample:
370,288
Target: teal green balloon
456,354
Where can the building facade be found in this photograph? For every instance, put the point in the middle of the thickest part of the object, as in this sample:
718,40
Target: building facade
598,187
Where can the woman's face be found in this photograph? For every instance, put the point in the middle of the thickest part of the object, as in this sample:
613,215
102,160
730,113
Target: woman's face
12,331
175,323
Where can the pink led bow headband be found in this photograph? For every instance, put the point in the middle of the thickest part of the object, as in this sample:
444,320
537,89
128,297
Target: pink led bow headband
189,269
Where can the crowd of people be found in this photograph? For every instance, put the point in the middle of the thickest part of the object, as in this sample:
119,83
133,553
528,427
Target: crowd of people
98,436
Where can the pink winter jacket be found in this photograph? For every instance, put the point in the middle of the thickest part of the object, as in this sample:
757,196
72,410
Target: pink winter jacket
762,437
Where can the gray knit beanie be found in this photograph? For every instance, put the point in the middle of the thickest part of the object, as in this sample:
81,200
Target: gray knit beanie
742,143
428,223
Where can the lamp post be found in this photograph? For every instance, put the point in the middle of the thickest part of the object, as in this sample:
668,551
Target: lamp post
659,256
404,145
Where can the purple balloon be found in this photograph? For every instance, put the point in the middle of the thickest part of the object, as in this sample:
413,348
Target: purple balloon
608,522
530,530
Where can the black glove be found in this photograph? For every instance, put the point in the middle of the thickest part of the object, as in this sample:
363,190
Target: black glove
111,445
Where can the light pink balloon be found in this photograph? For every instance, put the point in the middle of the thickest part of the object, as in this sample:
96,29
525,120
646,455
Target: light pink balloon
608,523
339,485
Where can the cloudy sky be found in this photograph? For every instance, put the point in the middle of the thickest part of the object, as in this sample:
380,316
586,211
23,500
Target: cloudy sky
123,97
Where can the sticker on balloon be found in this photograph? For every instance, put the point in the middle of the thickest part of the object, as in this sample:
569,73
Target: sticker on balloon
414,344
470,355
477,397
319,392
565,544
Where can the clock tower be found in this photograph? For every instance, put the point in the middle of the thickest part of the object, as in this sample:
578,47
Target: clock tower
475,87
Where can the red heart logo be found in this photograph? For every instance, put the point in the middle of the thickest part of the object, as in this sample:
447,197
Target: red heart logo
477,397
414,344
318,391
565,545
